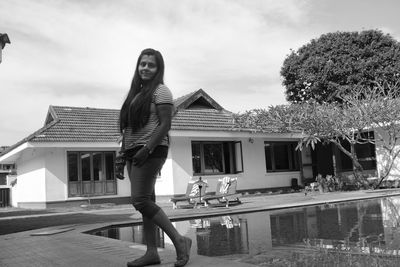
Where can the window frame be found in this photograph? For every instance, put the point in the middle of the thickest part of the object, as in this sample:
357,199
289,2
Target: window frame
229,148
293,156
96,187
237,156
368,162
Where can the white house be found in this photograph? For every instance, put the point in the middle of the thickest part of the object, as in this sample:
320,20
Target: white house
71,157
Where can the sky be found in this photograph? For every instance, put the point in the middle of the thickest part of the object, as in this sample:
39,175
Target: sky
82,53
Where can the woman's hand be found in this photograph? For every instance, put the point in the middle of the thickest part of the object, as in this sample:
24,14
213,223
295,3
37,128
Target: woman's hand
140,157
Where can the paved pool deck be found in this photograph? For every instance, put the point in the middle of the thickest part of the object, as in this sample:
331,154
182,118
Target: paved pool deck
64,242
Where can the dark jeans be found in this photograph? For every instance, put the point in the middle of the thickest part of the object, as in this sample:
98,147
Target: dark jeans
143,179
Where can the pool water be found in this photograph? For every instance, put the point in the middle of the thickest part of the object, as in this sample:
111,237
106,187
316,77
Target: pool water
367,226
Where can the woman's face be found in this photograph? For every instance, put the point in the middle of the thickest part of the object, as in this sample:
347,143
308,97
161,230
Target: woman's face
147,67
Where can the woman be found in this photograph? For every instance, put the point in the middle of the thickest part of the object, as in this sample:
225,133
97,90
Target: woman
145,120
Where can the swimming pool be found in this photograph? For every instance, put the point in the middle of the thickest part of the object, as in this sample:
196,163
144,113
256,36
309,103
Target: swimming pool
367,226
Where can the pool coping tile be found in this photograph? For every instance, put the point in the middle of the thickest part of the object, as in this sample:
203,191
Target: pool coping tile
68,245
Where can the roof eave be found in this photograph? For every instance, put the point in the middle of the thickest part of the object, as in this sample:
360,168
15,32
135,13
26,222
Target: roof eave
12,155
211,133
80,145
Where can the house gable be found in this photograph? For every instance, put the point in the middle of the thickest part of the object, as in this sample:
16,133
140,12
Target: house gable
198,111
51,116
197,100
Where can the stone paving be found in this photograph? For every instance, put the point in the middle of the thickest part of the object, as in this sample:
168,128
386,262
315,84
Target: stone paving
62,242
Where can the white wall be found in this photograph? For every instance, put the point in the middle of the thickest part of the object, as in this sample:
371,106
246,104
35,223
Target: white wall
182,171
165,184
254,176
123,186
42,176
56,174
42,172
255,173
31,181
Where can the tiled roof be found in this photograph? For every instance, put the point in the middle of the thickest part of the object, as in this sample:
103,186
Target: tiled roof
196,111
203,119
76,124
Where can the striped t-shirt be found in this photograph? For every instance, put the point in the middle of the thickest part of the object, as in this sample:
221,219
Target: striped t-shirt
162,95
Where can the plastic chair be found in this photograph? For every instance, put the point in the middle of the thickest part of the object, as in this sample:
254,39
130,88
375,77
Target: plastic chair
195,192
225,193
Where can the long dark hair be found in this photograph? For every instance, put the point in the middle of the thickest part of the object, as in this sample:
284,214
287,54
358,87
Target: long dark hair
136,108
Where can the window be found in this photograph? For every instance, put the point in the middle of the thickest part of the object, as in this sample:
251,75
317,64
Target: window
109,166
97,166
86,168
72,159
6,167
210,158
281,156
91,173
365,154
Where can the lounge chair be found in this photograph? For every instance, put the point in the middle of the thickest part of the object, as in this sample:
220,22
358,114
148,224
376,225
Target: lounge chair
194,193
225,193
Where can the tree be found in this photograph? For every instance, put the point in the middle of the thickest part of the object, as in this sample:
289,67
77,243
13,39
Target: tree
337,62
375,109
3,41
380,109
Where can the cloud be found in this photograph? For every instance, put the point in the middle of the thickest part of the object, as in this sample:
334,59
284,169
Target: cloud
83,53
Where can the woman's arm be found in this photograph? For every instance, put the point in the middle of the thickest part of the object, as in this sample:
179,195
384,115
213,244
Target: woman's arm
164,112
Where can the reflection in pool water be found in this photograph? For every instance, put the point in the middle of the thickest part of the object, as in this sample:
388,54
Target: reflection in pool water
367,226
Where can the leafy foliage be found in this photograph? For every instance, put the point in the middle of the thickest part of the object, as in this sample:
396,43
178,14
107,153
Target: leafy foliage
337,62
374,109
275,118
